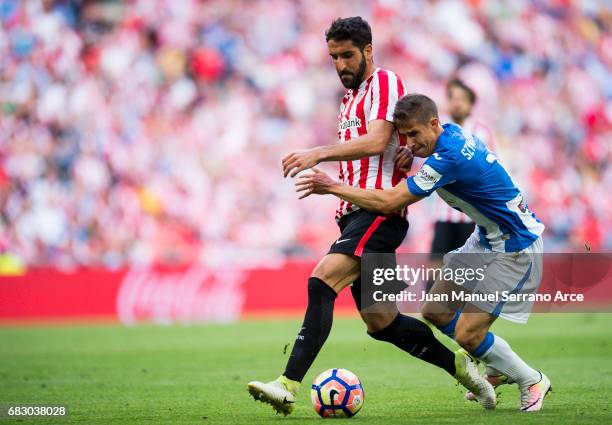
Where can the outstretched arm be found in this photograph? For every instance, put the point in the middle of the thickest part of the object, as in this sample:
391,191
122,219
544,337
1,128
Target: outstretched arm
381,201
374,142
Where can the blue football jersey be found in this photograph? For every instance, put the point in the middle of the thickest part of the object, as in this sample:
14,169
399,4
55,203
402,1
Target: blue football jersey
469,178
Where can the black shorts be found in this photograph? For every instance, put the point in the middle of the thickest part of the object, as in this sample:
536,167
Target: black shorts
449,236
363,232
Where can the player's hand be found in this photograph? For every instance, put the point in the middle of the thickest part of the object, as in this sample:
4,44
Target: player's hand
318,183
403,159
300,161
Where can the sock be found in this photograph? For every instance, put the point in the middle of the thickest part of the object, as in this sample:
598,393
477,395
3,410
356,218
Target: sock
449,328
417,339
496,353
315,329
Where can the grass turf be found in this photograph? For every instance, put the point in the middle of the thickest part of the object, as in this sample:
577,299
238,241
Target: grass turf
198,374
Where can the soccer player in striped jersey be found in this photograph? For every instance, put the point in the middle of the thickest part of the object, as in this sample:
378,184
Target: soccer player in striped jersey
367,145
507,245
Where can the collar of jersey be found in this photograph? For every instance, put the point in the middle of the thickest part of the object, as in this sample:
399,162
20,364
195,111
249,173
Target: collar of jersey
449,129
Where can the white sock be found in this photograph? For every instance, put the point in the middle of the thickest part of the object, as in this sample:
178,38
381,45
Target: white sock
501,357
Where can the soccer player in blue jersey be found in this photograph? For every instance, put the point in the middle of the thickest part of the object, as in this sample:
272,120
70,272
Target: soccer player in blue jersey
507,242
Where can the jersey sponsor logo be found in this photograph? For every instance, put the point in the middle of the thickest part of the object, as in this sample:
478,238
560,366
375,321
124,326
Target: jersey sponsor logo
353,122
427,177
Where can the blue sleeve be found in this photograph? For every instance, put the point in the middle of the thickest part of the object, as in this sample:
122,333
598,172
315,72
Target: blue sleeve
438,170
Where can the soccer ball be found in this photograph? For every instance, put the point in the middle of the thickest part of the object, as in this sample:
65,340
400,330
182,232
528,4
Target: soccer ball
337,393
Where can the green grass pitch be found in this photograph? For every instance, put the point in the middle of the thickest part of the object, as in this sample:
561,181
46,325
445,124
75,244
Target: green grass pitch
198,374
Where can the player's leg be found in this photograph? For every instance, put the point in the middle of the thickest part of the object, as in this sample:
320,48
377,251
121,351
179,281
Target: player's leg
469,326
385,323
337,269
379,237
332,274
518,273
473,334
510,272
445,317
443,314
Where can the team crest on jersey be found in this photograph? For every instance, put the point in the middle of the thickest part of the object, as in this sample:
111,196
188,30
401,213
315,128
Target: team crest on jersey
346,124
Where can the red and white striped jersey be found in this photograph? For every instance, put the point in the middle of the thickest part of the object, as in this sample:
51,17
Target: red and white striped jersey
443,212
374,100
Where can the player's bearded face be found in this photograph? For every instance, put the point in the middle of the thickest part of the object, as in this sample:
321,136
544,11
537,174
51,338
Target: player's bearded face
350,61
351,79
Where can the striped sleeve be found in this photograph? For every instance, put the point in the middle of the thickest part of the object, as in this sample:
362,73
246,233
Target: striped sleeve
387,87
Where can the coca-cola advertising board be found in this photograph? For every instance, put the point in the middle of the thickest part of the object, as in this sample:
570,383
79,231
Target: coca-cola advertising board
189,294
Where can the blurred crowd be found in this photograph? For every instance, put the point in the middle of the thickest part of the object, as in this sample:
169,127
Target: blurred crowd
151,131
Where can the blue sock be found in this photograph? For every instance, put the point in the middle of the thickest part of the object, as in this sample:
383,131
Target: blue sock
449,328
484,346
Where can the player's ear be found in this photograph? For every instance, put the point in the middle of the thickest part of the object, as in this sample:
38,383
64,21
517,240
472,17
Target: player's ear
434,122
367,52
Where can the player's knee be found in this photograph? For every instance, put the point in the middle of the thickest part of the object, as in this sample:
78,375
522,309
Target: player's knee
430,316
335,275
326,274
437,319
469,339
321,271
381,330
377,322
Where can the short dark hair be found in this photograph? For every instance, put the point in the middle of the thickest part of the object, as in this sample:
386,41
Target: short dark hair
355,29
456,82
414,107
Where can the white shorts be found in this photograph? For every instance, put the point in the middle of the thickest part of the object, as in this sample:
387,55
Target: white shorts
504,282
